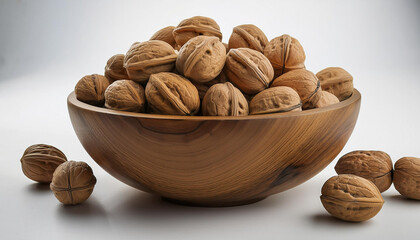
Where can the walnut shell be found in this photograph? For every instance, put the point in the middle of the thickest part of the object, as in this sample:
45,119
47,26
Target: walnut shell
125,95
204,87
325,99
165,34
146,58
223,99
201,59
249,70
172,94
407,177
375,166
304,82
195,26
40,160
114,69
336,81
285,54
351,198
73,182
274,100
91,88
248,36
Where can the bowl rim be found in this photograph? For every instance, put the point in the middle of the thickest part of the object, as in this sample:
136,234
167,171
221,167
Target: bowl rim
72,100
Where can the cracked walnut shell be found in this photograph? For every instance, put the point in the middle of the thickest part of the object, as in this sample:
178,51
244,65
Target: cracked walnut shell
275,100
407,177
351,198
196,26
91,88
336,81
248,36
125,95
223,99
114,69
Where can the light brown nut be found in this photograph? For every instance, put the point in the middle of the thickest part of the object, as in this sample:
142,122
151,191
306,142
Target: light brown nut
274,100
351,198
171,94
325,99
165,34
204,87
336,81
223,99
196,26
146,58
249,70
407,177
226,47
73,182
114,69
375,166
248,36
201,59
125,95
39,162
285,54
91,88
304,82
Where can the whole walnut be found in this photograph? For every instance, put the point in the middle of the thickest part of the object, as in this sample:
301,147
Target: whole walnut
91,88
114,69
351,198
375,166
171,94
125,95
275,100
249,70
165,34
196,26
73,182
40,160
407,177
304,82
285,54
325,99
146,58
336,81
248,36
201,59
223,99
203,87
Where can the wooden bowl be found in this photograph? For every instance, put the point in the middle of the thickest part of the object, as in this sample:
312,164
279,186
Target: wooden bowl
210,160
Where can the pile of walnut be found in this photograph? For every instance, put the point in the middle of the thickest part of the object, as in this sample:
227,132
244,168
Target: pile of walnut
249,75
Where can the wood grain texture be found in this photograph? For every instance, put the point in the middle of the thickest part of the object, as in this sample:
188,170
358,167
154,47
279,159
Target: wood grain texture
214,160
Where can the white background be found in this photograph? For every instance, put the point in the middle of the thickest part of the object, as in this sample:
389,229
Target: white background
47,46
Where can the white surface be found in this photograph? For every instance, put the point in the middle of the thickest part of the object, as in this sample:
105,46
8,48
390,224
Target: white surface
46,46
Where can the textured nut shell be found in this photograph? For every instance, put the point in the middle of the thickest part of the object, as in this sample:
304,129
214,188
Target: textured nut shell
375,166
91,88
114,69
248,36
204,87
125,95
146,58
223,99
351,198
285,54
325,99
201,59
172,94
276,99
165,34
336,81
73,182
195,26
407,177
40,160
249,70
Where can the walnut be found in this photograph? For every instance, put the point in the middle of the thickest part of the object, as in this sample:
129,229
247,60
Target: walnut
351,198
146,58
249,70
196,26
171,94
203,87
248,36
325,99
125,95
285,54
275,100
226,47
165,34
375,166
73,182
91,88
201,59
407,177
223,99
336,81
114,69
40,160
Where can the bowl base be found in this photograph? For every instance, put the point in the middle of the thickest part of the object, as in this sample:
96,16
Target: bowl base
212,204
